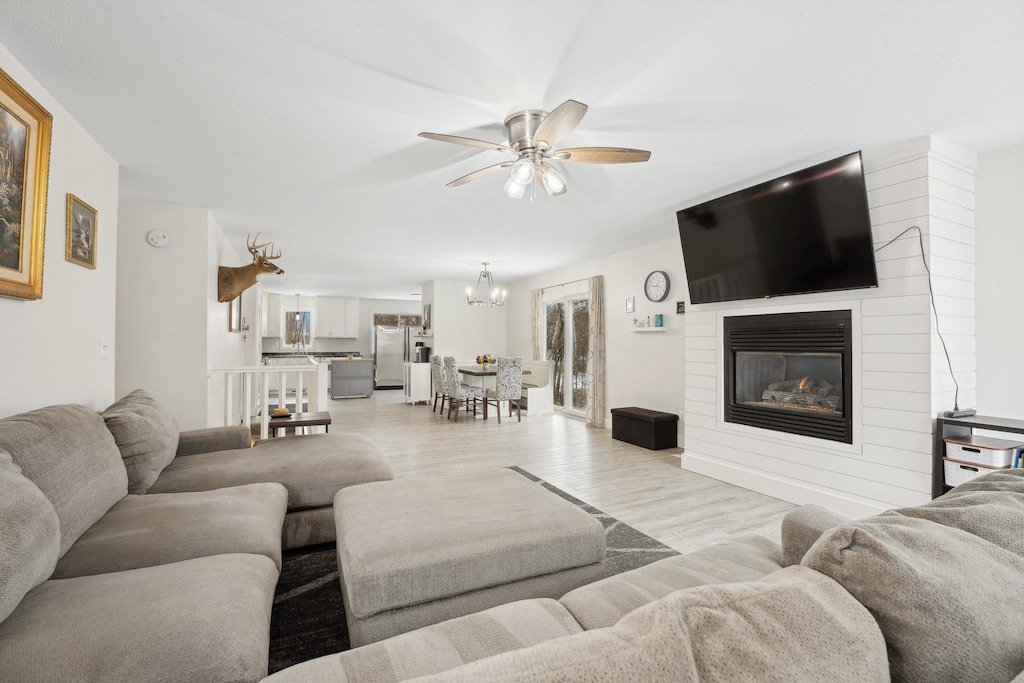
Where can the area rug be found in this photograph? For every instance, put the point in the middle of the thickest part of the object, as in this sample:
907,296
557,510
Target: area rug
308,618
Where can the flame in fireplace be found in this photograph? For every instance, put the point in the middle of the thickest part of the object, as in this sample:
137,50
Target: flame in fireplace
803,383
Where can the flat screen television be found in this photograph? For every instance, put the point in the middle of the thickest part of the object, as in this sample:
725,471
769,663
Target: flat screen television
808,231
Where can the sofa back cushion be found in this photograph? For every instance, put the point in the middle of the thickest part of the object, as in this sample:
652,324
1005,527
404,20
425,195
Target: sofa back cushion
68,453
29,535
792,625
146,434
949,602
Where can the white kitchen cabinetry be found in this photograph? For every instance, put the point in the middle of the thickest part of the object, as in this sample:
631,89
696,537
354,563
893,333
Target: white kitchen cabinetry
416,382
270,315
336,317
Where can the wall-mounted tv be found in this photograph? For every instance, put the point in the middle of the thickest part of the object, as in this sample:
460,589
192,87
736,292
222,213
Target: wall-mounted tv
808,231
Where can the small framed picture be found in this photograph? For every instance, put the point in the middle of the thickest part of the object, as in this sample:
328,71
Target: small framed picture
81,233
235,314
629,304
680,307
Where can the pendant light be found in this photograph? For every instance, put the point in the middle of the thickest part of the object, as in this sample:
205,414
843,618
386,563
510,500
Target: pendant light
491,295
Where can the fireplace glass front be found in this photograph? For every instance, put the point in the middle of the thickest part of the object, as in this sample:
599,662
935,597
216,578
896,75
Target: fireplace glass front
797,381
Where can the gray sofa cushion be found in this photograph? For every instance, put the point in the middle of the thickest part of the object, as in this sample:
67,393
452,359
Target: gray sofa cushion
440,647
921,582
29,535
146,434
206,619
604,602
159,528
70,455
792,625
802,527
313,468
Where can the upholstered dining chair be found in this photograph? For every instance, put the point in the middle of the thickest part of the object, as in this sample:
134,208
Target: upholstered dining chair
459,393
437,381
509,386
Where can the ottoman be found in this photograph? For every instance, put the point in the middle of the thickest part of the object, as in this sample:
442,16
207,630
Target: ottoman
414,552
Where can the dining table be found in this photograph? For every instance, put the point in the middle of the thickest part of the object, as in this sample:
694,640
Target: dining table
483,373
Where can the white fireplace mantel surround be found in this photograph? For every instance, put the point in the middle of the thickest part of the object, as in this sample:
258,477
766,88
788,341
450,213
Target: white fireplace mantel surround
900,378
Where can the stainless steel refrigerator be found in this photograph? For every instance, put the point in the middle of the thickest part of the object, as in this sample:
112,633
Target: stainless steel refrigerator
390,352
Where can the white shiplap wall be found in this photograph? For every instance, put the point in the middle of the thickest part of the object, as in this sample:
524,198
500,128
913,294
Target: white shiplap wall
899,371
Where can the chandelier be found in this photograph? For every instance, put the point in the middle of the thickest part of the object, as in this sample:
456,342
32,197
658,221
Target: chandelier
492,296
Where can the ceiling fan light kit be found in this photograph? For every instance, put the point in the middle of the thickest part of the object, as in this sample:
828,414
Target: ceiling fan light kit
532,134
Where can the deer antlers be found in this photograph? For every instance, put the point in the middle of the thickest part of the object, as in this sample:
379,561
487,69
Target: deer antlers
262,256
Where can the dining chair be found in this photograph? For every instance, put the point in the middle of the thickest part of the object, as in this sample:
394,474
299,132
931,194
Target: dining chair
459,393
508,387
437,381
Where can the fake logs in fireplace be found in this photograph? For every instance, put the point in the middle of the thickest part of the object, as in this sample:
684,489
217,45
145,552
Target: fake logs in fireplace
804,393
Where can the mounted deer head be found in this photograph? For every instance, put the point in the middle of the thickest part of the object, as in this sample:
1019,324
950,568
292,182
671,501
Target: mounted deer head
233,281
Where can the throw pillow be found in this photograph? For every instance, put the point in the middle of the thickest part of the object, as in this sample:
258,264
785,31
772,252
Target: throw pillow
147,436
29,535
950,604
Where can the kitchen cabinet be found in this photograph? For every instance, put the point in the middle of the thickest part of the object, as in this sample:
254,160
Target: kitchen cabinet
416,382
337,317
270,315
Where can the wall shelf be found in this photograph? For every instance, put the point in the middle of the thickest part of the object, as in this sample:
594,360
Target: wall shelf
649,329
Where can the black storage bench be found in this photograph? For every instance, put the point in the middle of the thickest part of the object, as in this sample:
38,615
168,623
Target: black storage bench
651,429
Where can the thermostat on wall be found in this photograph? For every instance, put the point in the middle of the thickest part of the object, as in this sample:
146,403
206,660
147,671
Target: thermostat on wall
158,238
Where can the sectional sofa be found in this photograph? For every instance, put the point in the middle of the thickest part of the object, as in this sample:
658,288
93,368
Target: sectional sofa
927,593
132,552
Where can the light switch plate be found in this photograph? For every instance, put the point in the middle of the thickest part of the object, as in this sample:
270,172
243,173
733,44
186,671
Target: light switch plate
105,347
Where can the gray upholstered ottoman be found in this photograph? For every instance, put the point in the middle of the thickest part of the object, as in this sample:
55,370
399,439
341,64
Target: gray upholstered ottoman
417,551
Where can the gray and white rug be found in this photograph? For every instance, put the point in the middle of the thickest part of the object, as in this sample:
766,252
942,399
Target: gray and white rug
308,618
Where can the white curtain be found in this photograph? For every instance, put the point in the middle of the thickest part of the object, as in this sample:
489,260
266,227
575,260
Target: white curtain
595,353
537,322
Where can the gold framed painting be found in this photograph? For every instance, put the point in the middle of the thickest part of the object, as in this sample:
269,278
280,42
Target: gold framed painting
80,243
24,170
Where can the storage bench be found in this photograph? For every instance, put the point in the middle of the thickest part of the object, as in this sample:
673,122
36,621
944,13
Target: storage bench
651,429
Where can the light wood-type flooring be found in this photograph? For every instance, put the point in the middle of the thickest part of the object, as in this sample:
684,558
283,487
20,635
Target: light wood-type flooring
647,490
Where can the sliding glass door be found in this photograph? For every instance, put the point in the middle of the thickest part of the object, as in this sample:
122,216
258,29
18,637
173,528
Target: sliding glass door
567,340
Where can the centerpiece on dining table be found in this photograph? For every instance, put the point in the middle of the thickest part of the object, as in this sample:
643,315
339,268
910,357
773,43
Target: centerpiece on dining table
485,360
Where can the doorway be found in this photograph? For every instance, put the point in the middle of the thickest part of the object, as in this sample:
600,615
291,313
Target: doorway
567,340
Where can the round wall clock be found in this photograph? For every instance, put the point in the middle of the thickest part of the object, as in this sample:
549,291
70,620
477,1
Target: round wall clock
656,285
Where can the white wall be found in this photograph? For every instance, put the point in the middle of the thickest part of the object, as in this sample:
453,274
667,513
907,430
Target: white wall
644,370
465,331
899,373
51,346
170,326
1000,286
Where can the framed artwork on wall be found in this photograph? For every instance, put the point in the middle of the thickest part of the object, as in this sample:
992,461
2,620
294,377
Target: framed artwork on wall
24,170
80,244
235,314
426,317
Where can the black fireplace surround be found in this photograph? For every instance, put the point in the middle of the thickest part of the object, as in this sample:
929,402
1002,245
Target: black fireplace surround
790,372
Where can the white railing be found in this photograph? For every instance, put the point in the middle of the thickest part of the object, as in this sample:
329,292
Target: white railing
247,391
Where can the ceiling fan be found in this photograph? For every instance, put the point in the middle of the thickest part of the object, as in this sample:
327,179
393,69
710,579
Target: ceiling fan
532,135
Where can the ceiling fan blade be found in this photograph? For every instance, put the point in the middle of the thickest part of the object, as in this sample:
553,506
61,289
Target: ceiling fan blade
602,155
479,174
469,142
559,123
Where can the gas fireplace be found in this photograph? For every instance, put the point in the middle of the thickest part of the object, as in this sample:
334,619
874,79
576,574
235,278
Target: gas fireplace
790,372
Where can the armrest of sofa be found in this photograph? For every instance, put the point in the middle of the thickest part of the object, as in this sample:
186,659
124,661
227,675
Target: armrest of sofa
802,527
213,439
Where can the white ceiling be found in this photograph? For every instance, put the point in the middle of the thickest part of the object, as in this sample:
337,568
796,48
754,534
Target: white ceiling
298,119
